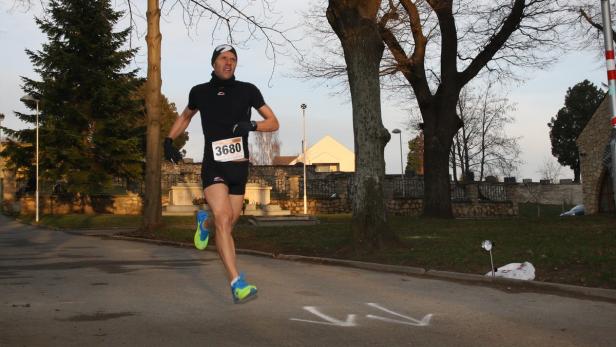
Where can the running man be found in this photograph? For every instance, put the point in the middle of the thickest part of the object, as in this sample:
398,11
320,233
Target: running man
225,106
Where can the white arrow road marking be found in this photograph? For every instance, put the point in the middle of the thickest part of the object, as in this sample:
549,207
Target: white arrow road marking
425,321
350,321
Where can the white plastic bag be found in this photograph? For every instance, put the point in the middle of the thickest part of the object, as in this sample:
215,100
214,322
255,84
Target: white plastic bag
519,271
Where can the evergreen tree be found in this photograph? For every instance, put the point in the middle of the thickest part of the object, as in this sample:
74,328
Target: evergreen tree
414,159
581,101
85,92
169,114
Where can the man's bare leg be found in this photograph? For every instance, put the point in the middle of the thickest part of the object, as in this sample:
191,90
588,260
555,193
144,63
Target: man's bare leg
237,202
226,209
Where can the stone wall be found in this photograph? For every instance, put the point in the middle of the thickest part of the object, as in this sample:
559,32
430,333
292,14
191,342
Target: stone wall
591,144
470,203
173,174
8,189
130,204
314,206
402,207
287,181
552,194
484,209
329,194
191,173
8,182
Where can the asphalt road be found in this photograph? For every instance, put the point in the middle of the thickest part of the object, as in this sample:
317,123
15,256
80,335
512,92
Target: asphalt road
62,289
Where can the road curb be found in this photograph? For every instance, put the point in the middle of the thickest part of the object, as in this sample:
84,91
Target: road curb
600,293
458,276
589,292
603,293
139,239
355,264
252,252
180,244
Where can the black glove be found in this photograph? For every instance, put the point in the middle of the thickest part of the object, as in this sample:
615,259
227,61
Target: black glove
243,128
171,153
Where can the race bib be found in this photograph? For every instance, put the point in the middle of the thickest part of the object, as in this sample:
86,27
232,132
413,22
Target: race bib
228,149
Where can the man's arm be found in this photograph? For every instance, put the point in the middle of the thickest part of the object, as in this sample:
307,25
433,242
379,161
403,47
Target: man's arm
269,122
181,123
178,127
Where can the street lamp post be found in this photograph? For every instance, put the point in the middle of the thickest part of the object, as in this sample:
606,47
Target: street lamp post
611,78
1,168
397,131
303,107
30,98
1,120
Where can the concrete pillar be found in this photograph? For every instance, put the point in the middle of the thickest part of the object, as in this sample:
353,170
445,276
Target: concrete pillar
294,186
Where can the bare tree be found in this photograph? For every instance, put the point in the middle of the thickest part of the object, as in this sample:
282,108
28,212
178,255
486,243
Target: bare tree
587,24
264,147
355,24
436,47
152,206
494,36
465,142
482,144
550,169
536,193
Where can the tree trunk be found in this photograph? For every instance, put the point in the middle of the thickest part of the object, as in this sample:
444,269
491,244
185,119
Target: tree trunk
152,209
439,130
467,160
355,25
457,142
454,169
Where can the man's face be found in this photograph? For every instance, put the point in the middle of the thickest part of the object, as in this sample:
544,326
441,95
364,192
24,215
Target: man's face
224,65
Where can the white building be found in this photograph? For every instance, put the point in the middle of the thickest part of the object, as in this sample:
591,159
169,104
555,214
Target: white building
328,155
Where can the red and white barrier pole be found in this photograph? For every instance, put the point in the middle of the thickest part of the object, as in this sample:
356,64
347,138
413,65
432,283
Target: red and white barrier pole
611,79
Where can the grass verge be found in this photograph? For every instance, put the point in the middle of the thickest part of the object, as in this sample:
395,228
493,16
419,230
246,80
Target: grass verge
572,250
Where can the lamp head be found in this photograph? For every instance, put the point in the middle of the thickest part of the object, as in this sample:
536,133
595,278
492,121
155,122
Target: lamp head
303,106
28,98
487,245
396,131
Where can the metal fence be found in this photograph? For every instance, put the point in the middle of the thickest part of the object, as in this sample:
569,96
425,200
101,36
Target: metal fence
458,193
413,188
280,185
288,182
492,191
334,185
320,188
169,180
407,188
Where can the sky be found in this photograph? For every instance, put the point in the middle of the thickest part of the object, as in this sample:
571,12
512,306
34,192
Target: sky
186,62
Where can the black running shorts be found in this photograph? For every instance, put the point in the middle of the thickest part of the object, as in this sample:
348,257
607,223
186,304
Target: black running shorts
232,173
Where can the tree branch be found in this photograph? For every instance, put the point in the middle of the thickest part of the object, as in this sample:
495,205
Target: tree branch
597,26
496,42
412,68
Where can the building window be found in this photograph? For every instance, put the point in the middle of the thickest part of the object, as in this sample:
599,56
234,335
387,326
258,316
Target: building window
326,167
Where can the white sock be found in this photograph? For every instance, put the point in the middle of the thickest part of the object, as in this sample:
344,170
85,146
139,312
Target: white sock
235,280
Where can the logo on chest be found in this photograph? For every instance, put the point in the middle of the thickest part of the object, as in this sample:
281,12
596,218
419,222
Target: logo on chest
221,92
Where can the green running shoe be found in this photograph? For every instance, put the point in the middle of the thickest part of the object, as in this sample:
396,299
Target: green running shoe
242,291
202,235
